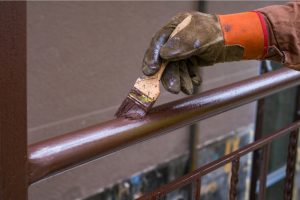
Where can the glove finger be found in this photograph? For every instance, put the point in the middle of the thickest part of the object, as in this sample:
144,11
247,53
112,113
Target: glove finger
171,78
194,71
185,79
152,60
183,45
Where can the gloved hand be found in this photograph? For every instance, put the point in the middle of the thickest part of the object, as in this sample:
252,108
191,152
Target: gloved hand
204,40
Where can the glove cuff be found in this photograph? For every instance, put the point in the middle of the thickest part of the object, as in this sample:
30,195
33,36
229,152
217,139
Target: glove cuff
247,29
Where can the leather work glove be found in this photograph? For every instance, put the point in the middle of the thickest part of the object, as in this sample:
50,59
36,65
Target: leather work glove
203,40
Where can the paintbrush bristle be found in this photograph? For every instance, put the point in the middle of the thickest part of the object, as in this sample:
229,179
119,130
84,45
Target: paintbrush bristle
135,106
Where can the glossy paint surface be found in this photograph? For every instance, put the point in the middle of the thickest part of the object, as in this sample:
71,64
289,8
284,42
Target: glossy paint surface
71,149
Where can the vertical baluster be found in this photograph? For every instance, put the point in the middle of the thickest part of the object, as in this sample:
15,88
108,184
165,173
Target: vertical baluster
292,154
256,154
264,171
234,179
258,134
153,197
197,189
291,165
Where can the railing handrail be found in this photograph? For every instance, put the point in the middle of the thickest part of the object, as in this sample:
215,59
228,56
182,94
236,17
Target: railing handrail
53,155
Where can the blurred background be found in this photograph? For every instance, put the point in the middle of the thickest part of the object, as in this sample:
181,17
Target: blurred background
83,58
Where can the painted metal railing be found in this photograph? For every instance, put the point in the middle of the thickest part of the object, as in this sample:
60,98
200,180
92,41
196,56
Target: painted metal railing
56,154
234,158
22,165
62,152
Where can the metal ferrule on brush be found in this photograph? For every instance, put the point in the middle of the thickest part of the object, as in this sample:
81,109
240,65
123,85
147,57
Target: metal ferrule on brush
139,97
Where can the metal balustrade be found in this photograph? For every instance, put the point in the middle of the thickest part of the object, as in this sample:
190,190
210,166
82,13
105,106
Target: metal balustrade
45,158
55,154
234,158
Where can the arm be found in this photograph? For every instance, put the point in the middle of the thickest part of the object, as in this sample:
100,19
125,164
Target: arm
268,33
284,39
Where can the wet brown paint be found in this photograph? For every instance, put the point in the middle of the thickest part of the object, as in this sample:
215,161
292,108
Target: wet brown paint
50,156
135,106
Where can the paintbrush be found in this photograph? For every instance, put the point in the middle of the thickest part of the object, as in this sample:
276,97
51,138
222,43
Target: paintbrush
142,96
146,89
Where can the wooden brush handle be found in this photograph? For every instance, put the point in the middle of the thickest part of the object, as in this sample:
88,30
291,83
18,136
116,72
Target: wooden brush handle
160,71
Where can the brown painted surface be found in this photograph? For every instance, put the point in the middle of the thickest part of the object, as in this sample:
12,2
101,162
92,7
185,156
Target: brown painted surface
58,153
292,154
192,177
13,111
256,154
264,167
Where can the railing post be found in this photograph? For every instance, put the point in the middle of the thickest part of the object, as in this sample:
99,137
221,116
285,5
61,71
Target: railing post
292,154
235,165
197,189
256,154
13,123
291,165
265,157
258,134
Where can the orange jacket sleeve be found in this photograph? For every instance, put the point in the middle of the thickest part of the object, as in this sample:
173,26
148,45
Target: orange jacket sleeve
284,33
